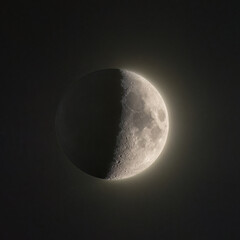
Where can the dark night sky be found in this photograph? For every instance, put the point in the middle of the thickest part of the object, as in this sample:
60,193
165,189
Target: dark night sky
190,51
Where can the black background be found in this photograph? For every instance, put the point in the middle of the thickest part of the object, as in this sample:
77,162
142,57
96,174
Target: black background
190,52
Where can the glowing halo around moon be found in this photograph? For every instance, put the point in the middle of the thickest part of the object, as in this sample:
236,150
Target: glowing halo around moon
112,124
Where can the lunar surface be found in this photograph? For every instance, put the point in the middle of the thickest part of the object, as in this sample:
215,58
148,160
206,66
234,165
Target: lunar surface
112,124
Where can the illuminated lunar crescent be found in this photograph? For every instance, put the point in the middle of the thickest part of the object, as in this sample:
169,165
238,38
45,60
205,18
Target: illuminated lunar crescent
112,124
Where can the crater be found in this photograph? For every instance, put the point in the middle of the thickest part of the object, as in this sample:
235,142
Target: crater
156,133
161,115
134,101
142,143
142,120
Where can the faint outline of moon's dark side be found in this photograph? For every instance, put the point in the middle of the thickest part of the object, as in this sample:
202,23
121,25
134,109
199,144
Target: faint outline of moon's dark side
87,121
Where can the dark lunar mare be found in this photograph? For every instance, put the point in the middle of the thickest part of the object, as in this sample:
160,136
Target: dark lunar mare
87,121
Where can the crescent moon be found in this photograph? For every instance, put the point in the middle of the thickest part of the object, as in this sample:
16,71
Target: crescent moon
143,128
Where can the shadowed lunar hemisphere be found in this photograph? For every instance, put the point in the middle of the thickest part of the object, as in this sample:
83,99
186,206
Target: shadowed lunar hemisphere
112,124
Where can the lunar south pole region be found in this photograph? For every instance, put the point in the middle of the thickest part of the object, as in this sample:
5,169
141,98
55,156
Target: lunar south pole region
112,124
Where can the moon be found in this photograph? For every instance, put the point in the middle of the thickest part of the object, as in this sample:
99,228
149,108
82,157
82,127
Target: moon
112,124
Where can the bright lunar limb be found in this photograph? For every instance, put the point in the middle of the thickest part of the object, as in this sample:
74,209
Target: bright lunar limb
112,124
143,128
